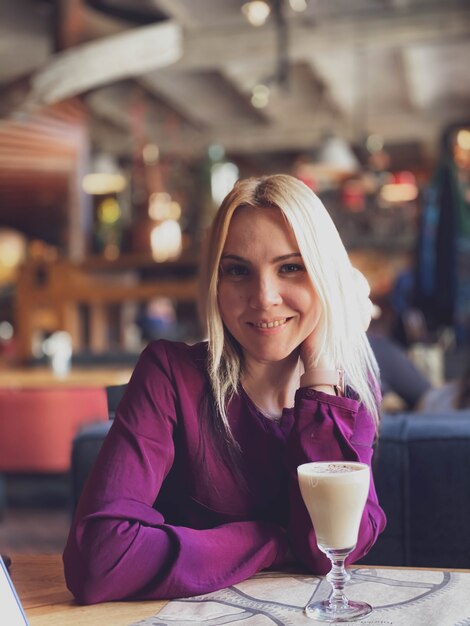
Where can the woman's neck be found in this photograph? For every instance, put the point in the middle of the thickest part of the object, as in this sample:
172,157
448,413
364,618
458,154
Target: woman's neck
272,386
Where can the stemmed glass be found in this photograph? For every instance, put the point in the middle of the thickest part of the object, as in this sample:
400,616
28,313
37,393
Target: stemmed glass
335,494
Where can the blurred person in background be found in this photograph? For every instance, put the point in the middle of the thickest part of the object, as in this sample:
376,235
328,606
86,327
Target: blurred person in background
398,374
454,395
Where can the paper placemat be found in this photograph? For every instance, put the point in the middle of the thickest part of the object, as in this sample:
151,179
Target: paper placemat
399,598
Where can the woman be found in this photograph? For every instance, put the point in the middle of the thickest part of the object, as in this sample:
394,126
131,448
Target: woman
195,487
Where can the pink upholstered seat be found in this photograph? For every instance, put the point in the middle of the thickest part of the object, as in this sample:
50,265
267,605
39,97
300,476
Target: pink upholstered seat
37,426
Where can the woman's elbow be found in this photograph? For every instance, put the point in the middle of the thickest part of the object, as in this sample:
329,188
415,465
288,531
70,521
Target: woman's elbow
87,591
86,586
100,569
92,571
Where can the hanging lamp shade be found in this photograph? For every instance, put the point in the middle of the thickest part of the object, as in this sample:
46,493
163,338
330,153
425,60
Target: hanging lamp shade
105,177
336,156
334,161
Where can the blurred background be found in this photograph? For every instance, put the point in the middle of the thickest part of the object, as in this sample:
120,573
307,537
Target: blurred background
123,123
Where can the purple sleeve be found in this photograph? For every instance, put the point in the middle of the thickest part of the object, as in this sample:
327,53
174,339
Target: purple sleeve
329,428
119,546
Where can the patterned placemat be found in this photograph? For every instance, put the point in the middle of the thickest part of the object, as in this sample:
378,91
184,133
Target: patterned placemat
399,598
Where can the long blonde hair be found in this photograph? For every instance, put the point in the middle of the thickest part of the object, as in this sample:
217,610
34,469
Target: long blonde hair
340,327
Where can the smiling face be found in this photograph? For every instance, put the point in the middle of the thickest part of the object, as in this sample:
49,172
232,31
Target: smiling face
265,296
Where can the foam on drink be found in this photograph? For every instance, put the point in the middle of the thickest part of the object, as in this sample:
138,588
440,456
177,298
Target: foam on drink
335,494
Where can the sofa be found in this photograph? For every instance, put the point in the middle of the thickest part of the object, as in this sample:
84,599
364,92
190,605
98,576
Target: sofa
422,475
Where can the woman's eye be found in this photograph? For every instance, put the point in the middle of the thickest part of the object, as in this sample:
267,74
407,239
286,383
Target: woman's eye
291,268
233,270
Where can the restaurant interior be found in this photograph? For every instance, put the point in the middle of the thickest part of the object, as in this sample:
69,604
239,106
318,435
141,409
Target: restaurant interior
123,124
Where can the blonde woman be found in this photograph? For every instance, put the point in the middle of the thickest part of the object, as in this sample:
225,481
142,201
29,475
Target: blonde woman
195,487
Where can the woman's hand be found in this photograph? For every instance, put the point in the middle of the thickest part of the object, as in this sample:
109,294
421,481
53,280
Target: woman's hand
308,353
309,349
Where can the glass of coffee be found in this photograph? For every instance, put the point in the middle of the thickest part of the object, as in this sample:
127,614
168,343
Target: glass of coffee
335,494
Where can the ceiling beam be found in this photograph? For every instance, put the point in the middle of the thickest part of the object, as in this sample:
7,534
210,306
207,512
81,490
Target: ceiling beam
177,11
304,133
211,48
203,98
296,132
112,104
107,60
447,83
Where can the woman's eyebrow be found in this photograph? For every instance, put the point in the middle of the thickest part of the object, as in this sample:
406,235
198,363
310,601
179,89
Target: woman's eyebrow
283,257
235,257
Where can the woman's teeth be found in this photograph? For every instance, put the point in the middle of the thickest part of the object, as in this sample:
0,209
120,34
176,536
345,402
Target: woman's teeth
271,324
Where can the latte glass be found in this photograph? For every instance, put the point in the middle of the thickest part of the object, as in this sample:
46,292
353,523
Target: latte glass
335,494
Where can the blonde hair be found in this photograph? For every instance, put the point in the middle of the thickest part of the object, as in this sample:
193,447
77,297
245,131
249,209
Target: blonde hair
340,327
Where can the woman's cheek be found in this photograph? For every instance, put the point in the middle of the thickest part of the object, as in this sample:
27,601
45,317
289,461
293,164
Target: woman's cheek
230,302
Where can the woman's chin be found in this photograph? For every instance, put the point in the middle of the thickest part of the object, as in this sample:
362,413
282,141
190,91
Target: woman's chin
271,355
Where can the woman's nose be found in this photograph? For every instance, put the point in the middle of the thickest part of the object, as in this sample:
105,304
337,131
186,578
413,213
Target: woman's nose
265,294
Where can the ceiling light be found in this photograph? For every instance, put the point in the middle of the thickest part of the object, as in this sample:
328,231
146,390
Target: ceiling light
13,251
162,207
101,184
159,206
223,178
256,12
401,188
166,241
109,211
336,155
105,178
463,139
6,331
298,5
374,143
260,96
150,153
216,152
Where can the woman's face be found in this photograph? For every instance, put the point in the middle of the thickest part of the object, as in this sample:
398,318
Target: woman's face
265,296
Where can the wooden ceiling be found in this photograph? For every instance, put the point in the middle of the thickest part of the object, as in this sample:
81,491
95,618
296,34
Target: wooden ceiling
396,68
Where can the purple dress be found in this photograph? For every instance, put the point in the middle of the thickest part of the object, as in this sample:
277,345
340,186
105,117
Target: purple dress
159,520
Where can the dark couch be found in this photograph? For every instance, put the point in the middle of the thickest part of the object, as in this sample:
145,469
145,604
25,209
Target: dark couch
422,475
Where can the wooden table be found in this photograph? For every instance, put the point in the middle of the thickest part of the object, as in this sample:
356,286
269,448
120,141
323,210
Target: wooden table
39,581
44,377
